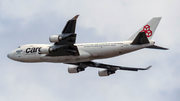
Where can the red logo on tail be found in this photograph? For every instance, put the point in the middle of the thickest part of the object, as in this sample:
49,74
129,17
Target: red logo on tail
147,30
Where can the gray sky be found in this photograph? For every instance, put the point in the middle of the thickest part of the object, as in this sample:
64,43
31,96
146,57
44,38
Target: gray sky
33,21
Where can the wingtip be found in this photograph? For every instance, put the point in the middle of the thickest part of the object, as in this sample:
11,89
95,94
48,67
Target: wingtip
145,68
148,67
74,18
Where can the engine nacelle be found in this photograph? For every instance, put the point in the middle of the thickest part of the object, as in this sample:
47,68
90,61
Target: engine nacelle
55,38
46,50
75,69
105,72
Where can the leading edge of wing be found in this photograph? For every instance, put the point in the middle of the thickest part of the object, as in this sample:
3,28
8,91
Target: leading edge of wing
110,67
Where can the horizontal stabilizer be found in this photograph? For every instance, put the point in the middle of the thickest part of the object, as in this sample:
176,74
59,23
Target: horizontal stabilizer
157,47
141,38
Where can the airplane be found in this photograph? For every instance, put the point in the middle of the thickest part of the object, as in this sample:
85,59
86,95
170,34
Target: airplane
80,56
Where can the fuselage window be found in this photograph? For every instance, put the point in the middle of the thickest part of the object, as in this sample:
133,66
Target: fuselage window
18,51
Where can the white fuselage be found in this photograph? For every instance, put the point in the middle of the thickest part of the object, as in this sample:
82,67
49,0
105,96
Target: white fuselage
87,51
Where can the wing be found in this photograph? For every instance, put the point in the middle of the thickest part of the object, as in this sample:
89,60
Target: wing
66,46
68,34
112,68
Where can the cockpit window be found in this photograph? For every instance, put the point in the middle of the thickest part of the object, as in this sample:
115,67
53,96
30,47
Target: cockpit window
18,51
19,46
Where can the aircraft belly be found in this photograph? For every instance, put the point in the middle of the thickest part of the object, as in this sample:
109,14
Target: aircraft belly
111,51
84,56
102,52
30,58
130,48
64,59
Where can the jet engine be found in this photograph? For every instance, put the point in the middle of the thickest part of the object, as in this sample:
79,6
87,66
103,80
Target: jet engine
46,50
75,69
55,38
105,72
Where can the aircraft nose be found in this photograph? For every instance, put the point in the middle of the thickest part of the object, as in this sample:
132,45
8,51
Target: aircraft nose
10,55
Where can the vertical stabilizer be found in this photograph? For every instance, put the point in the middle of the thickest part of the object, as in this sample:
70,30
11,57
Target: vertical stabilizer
149,28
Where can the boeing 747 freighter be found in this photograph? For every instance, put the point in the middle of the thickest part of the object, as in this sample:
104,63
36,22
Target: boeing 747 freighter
80,56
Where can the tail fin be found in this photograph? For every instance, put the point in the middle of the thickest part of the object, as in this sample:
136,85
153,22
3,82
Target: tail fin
149,28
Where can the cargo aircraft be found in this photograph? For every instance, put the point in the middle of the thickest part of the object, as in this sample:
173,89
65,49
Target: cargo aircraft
80,56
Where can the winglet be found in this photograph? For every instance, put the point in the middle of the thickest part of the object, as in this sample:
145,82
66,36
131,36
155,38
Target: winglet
74,18
145,68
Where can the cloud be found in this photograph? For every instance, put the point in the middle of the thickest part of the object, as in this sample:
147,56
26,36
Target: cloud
26,22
